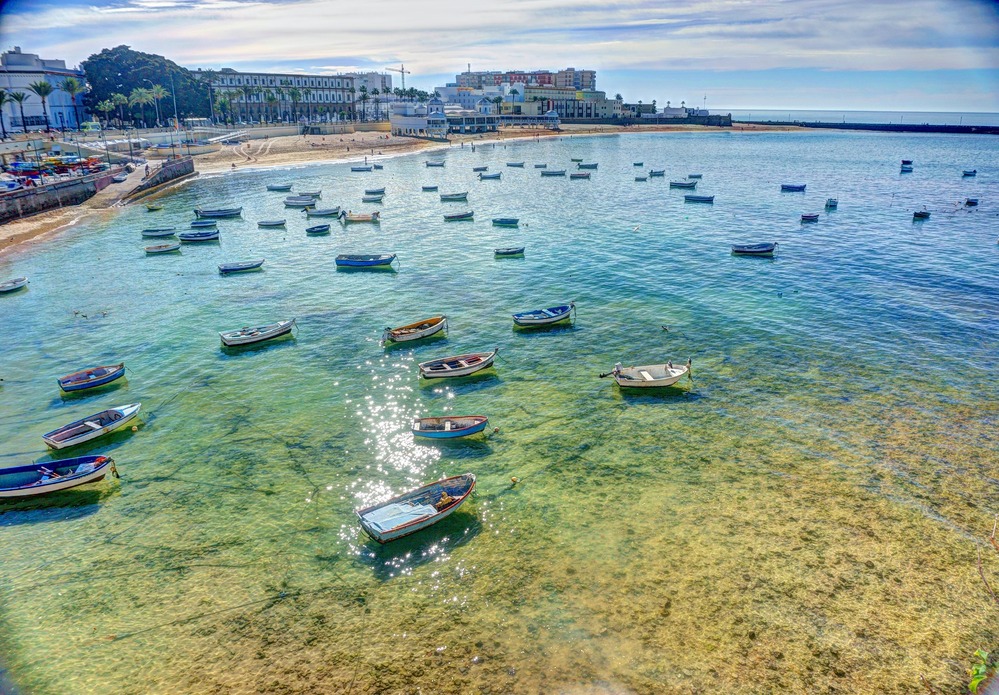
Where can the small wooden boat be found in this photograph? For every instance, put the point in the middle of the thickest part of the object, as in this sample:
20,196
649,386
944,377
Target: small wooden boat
350,217
657,172
586,166
161,232
41,478
204,224
543,317
683,184
360,168
218,212
506,221
416,330
458,365
279,187
434,164
318,229
372,198
153,207
191,237
491,177
448,197
417,509
315,195
480,168
831,203
378,167
92,426
91,378
649,375
163,248
576,159
515,165
449,427
299,202
374,191
694,176
970,172
13,285
271,223
698,199
638,164
765,249
509,252
540,166
906,161
553,172
325,212
458,216
792,187
971,202
428,189
810,217
583,175
905,168
239,266
364,260
921,215
641,178
248,336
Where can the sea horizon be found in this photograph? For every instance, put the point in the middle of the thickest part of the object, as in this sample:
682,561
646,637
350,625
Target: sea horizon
968,118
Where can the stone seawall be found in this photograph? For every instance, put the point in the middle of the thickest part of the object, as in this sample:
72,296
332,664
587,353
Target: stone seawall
173,169
30,201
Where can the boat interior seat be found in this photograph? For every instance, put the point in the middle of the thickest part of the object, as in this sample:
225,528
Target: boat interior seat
647,376
93,425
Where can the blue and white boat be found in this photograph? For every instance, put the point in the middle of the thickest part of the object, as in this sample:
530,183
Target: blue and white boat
764,249
682,184
698,199
239,266
318,229
449,427
416,509
297,202
586,166
970,172
279,187
218,212
309,194
553,172
509,252
35,479
544,317
434,164
204,224
792,187
515,165
506,221
374,191
360,168
91,427
162,248
694,176
13,285
477,169
657,172
491,177
91,377
248,335
428,189
459,216
458,365
364,260
324,212
451,197
271,223
372,198
192,237
159,232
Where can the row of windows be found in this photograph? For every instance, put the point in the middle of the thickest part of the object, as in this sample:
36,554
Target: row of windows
283,82
305,98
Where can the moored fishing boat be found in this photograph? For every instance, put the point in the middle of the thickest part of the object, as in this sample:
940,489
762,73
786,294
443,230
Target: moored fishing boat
364,260
810,217
657,172
415,330
506,221
160,232
683,184
764,249
793,187
35,479
13,285
449,427
163,248
351,217
92,426
374,191
378,167
694,176
299,202
576,159
428,189
240,266
434,164
153,207
191,237
544,317
906,161
971,202
641,178
449,197
459,216
92,377
831,203
638,164
698,199
360,169
458,365
218,212
553,172
325,212
509,251
582,175
315,195
271,223
279,187
417,509
970,172
491,177
480,168
921,215
372,198
248,335
318,229
586,166
204,224
905,168
515,165
648,375
540,166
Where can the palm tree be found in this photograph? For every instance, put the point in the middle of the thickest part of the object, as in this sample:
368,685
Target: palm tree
352,103
18,98
105,107
73,87
157,92
306,94
378,103
279,93
295,94
364,102
271,100
247,91
140,97
43,89
119,100
4,99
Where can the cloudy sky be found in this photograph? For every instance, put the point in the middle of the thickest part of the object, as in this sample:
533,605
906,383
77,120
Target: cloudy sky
918,55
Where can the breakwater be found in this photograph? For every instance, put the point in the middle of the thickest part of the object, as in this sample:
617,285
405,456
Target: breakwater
886,127
31,201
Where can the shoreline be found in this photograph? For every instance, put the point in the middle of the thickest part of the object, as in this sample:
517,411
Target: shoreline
305,150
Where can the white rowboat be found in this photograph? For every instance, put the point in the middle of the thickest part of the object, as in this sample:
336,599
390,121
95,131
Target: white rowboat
92,426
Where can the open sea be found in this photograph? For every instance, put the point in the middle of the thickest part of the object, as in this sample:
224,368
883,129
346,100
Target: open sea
903,117
801,517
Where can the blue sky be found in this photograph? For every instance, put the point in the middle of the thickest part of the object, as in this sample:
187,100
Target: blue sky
925,55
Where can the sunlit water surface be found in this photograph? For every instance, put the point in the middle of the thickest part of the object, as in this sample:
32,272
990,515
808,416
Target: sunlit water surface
801,517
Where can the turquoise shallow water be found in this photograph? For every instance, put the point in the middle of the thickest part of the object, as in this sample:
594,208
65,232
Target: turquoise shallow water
799,517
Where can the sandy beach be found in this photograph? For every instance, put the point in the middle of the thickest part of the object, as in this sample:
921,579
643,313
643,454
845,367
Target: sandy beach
303,149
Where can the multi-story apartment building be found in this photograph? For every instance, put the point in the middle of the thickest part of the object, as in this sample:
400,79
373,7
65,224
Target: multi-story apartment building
18,70
580,79
290,97
569,103
570,77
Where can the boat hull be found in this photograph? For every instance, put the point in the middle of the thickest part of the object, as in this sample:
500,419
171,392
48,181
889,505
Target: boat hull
91,378
754,249
649,376
162,248
344,261
437,427
249,336
219,213
13,285
31,481
545,317
416,331
457,366
80,432
458,487
228,268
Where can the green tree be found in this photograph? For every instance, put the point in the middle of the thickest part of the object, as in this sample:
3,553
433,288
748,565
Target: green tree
353,104
271,101
119,100
73,87
295,94
18,98
105,107
4,100
43,90
142,98
378,103
307,96
157,92
364,102
619,97
247,92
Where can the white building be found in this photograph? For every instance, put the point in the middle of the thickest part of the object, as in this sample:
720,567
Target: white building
18,70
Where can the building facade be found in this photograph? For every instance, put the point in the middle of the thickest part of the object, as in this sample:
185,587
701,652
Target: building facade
570,77
17,71
569,103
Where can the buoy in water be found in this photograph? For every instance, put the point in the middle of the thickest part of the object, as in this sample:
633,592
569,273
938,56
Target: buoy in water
495,429
135,428
514,480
